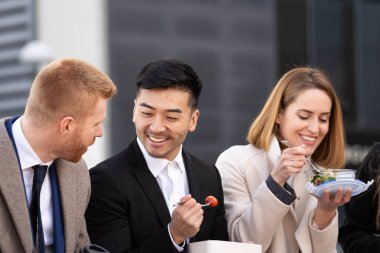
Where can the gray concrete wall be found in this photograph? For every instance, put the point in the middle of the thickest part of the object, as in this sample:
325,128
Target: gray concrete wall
231,44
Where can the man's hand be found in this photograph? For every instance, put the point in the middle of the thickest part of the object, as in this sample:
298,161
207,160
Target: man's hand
186,219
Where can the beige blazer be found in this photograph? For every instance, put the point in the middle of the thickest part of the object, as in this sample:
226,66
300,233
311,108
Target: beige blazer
15,228
255,214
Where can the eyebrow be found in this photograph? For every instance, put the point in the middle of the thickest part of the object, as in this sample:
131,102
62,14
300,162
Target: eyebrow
168,110
304,110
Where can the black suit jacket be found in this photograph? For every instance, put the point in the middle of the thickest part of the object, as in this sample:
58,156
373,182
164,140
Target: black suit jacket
357,234
128,213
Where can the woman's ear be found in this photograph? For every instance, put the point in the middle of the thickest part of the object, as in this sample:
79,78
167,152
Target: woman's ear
279,117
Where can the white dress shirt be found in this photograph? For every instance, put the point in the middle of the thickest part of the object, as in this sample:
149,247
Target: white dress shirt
29,158
171,177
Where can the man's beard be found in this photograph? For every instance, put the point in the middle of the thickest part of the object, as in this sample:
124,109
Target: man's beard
76,150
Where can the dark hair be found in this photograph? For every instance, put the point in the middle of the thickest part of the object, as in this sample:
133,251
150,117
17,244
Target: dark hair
165,74
370,169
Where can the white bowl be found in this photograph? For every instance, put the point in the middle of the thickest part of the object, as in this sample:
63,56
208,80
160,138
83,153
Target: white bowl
341,174
329,175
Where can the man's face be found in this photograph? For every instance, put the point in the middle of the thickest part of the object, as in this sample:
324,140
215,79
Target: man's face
162,119
86,132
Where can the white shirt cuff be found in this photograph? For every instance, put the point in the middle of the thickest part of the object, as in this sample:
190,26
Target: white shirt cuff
179,248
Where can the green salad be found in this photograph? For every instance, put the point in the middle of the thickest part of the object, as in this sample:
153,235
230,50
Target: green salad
321,179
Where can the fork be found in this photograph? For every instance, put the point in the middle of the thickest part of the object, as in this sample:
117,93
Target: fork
181,203
314,168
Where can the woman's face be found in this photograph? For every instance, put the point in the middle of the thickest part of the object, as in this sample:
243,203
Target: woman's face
306,119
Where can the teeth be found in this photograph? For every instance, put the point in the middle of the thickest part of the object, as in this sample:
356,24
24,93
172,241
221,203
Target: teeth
157,139
307,138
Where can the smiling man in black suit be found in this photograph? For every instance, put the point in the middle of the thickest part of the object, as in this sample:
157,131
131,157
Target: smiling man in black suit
133,207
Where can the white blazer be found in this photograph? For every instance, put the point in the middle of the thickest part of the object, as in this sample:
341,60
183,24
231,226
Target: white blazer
255,214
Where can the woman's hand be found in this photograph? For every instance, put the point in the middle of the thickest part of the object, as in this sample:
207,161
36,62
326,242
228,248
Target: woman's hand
326,207
292,161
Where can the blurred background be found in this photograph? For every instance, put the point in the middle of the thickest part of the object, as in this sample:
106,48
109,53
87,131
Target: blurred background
240,48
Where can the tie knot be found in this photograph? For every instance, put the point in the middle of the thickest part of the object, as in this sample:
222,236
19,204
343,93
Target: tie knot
39,173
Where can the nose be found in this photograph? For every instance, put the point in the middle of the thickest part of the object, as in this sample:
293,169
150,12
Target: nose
99,131
157,125
314,126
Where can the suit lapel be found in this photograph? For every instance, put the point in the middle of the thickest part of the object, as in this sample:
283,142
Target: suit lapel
12,189
192,178
193,181
299,188
148,182
299,184
67,190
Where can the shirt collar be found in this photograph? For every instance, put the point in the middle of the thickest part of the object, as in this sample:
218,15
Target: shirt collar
27,156
156,165
274,152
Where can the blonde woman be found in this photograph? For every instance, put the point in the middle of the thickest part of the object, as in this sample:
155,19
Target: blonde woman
264,184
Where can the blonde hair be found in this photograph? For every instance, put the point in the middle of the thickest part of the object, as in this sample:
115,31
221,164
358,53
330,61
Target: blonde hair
67,87
330,153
